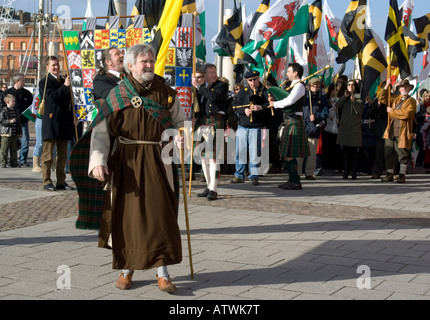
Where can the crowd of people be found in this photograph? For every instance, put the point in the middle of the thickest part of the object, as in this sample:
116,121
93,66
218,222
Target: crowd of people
131,196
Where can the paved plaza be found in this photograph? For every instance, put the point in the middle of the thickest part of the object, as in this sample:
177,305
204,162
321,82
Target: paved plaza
335,239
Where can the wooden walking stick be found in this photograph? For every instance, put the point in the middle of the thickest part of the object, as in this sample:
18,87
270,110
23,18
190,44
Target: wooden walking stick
182,132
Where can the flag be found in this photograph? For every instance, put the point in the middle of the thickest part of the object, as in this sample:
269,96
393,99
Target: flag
300,26
197,6
318,58
333,26
262,8
88,14
32,110
414,44
152,9
230,39
407,7
297,55
395,39
315,17
372,62
371,59
138,9
351,33
279,21
426,68
422,25
164,33
112,13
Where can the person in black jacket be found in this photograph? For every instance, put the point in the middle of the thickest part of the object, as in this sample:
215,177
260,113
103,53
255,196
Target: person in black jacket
23,99
315,113
250,124
110,74
378,112
213,95
57,123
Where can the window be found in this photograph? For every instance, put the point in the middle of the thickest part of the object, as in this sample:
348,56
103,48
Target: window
11,65
11,45
23,45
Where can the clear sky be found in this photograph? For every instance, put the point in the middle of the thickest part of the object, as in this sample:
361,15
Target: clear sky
379,13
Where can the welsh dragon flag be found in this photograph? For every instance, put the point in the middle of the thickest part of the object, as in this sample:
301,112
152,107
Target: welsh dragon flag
285,18
333,26
31,111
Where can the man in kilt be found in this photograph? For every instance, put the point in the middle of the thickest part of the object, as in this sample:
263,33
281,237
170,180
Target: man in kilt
293,140
213,93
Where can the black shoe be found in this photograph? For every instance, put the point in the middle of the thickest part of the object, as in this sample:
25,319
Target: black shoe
285,185
212,195
49,187
204,193
64,186
294,186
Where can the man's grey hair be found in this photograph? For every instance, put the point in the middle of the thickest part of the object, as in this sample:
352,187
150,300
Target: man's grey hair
16,77
136,51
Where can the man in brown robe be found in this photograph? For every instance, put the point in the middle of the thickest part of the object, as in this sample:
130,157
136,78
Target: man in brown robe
140,213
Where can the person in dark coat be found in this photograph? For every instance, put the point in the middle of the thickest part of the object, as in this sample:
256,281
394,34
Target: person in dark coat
110,74
350,134
213,94
378,112
57,123
315,113
23,99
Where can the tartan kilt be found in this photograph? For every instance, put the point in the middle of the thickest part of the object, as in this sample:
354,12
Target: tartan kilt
293,141
213,122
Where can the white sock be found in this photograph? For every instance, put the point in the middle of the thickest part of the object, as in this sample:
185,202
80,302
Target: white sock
162,272
403,168
213,168
126,272
205,167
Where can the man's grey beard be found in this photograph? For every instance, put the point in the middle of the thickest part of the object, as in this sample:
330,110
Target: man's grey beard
148,76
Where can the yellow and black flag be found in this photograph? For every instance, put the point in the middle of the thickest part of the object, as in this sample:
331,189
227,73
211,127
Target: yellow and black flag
189,6
315,18
414,44
396,40
166,26
351,33
138,9
372,62
230,39
262,8
422,25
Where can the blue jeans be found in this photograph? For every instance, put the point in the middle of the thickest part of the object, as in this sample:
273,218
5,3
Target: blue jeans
24,144
248,139
38,147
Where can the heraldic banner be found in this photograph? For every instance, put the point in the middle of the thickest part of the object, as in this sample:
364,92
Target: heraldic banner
84,51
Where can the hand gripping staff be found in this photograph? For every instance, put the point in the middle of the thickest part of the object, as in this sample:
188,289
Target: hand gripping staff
183,131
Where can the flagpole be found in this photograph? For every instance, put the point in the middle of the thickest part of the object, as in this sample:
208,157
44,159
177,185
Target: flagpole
195,107
389,75
68,75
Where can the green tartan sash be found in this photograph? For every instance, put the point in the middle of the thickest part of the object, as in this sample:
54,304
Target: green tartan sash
90,191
